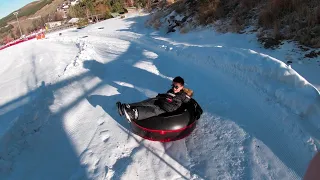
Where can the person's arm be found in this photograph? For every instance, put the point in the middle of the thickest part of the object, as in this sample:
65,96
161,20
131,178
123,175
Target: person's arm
164,94
161,95
186,98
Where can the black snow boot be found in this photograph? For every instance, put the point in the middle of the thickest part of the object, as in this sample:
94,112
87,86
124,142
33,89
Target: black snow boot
130,113
120,109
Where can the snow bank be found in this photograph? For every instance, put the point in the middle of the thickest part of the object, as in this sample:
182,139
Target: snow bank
264,72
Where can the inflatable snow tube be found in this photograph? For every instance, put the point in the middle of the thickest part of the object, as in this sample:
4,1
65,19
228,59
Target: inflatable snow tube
169,126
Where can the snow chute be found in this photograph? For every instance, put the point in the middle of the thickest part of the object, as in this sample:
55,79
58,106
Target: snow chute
169,126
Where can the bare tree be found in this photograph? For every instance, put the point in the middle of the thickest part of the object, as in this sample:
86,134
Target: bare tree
58,16
17,32
13,35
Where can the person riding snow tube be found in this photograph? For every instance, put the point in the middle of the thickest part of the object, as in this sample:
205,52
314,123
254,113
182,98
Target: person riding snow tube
162,103
166,117
170,126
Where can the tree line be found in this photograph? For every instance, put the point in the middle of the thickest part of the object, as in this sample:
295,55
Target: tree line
103,7
84,9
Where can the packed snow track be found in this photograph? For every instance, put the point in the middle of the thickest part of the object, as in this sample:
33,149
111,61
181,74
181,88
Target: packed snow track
58,118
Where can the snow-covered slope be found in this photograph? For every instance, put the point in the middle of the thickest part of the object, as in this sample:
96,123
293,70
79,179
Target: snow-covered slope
58,117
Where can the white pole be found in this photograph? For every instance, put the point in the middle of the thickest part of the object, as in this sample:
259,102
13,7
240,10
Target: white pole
16,13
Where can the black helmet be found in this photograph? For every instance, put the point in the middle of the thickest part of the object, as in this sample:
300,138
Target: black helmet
179,79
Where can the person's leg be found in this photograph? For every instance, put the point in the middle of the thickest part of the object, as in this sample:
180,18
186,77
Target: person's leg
145,112
147,102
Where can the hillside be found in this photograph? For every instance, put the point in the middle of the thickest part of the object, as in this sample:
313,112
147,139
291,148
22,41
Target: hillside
25,11
34,15
49,9
9,26
272,20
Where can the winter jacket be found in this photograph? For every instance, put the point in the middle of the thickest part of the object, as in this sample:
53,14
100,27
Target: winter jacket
171,101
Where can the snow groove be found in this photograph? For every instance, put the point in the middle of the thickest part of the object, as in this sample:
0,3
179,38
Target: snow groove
27,125
214,131
85,53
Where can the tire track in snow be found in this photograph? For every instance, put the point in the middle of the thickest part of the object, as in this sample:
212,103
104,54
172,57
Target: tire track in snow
216,149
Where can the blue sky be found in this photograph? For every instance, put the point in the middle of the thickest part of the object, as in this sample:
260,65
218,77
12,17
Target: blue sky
8,6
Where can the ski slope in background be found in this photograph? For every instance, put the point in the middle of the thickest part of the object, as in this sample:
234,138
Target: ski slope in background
58,118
